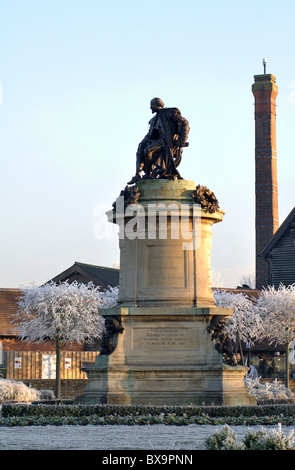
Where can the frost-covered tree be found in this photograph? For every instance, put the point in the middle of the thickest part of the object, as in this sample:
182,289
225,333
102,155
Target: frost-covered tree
62,313
245,323
248,279
277,310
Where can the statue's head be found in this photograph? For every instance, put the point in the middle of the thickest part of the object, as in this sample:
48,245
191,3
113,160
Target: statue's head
156,103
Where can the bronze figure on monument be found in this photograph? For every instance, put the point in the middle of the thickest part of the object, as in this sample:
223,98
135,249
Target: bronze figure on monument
160,152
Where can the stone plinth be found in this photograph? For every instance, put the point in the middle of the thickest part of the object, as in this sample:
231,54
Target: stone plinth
165,354
165,247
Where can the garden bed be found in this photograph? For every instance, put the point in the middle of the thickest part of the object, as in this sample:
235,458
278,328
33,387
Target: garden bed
62,414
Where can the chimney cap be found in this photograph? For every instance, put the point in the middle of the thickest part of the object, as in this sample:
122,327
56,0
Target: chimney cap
264,61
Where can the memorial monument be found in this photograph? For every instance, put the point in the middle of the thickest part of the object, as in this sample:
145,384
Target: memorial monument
162,344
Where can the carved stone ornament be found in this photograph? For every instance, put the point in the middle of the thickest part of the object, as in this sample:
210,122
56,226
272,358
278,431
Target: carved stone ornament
130,194
222,344
202,195
112,327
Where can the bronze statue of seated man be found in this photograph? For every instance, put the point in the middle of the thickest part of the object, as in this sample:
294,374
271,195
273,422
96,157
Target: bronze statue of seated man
159,153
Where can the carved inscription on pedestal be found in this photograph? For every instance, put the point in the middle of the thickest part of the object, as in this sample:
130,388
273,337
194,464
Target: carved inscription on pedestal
164,339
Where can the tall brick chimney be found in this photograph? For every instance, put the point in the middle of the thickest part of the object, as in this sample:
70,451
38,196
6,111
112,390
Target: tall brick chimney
265,92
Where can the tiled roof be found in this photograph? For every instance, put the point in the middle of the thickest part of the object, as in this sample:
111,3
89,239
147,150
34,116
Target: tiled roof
8,306
279,233
83,272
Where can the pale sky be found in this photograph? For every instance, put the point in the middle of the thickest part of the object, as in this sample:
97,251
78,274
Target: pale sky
76,80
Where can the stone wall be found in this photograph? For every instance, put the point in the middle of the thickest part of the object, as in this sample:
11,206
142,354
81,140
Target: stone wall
69,388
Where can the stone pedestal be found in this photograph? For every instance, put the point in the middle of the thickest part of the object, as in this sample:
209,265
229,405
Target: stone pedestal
165,354
165,247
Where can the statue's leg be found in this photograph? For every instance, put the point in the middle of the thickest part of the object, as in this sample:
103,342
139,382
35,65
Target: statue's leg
149,152
140,161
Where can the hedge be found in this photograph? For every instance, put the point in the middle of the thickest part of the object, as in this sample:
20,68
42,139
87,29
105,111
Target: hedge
62,410
144,420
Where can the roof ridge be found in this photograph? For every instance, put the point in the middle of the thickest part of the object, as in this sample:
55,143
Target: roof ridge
280,231
95,266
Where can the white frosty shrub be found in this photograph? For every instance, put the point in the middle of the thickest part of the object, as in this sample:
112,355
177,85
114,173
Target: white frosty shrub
273,439
11,390
280,391
222,439
267,390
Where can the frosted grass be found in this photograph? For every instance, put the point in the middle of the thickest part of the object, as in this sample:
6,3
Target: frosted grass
113,437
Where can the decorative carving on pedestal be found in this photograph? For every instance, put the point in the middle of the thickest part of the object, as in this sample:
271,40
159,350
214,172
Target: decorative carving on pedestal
130,195
221,342
112,327
202,195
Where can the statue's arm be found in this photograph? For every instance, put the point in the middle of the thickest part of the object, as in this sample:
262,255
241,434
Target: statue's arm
182,127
